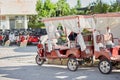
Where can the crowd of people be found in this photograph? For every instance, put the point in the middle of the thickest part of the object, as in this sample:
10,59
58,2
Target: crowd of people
16,36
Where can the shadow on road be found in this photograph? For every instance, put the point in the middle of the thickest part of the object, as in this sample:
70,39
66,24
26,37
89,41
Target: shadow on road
17,56
26,49
45,72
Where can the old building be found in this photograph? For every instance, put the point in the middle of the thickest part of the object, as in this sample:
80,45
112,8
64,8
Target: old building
14,13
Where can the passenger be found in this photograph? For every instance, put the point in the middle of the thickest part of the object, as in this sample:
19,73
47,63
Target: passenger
108,39
72,36
99,41
61,36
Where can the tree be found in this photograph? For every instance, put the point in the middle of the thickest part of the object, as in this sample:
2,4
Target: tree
115,7
45,9
34,22
62,8
100,7
73,11
78,8
48,9
78,4
33,19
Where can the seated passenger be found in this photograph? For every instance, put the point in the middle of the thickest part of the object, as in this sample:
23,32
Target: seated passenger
60,35
108,39
99,42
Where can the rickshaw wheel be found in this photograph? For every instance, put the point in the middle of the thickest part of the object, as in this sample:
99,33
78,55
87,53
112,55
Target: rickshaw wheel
105,66
39,61
72,64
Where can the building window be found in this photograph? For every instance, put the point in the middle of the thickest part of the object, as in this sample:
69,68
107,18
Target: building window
19,22
16,22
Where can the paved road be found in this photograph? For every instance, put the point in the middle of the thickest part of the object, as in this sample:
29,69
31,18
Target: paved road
18,64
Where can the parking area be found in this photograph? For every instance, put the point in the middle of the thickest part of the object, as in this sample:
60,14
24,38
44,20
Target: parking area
18,63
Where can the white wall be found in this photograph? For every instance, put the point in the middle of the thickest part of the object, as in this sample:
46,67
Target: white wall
7,22
25,22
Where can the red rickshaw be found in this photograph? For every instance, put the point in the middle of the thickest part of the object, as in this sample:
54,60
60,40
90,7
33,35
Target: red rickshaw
73,51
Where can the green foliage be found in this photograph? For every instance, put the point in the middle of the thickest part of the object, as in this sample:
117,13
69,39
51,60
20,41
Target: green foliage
35,25
101,7
34,22
45,9
49,9
39,5
73,11
62,8
115,7
78,4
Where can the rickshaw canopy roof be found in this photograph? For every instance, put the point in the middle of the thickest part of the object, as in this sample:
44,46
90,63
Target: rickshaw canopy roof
77,23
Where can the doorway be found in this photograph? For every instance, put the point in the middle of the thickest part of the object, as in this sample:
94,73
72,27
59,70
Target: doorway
12,23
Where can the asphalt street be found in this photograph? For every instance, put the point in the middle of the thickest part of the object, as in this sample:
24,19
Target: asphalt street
18,63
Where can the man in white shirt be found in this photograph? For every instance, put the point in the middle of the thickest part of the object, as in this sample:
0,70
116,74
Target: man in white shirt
108,38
